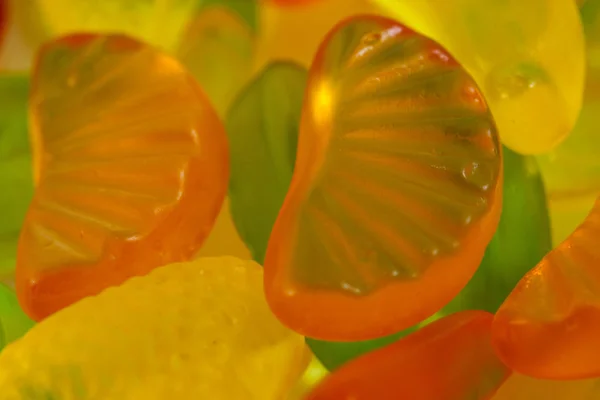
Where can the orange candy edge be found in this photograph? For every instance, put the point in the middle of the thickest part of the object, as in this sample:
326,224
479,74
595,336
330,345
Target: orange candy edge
42,293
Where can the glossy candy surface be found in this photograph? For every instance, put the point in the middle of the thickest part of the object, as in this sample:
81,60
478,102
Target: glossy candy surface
158,22
195,330
16,182
396,190
450,359
132,181
526,56
520,242
549,326
217,48
572,170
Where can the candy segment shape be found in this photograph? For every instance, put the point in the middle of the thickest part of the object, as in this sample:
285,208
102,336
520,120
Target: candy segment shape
450,359
217,48
520,387
527,57
157,22
131,165
549,326
200,330
396,189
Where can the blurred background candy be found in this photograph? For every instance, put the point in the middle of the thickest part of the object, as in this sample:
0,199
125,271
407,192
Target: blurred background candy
526,56
450,359
572,170
15,167
132,181
549,325
376,215
262,127
191,330
13,321
520,387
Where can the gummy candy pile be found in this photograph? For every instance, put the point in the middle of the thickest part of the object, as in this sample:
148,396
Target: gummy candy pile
299,199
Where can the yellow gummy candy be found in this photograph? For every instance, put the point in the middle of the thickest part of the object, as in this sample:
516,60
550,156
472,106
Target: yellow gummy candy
527,56
159,22
197,330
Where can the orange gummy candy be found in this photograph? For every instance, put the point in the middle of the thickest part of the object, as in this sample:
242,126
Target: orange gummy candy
396,190
131,168
450,359
549,326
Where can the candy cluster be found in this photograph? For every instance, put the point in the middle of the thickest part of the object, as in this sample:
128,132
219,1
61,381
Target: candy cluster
299,199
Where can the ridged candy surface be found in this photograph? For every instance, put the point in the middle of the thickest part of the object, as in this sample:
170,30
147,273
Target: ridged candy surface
197,330
549,326
450,359
527,57
396,189
131,166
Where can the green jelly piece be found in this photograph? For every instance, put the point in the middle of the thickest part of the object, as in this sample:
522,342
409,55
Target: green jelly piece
262,126
13,321
15,166
523,238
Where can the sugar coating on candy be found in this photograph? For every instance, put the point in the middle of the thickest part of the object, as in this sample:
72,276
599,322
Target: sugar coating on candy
131,166
396,190
450,359
158,22
549,326
526,56
196,330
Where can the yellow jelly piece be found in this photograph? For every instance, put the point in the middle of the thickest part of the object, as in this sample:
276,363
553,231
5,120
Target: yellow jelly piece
520,387
159,22
217,48
526,55
196,330
571,171
294,33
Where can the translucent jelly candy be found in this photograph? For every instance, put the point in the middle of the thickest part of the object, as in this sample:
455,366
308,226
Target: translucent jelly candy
519,387
526,56
196,330
294,33
155,21
217,48
520,242
572,170
16,183
131,163
450,359
13,321
262,126
396,190
549,326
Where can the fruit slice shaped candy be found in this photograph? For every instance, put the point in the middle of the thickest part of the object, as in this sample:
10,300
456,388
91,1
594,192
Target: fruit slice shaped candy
450,359
396,189
528,58
131,166
549,326
194,330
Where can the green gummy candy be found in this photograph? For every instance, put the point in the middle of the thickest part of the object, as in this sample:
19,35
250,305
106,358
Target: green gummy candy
13,321
15,166
262,127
